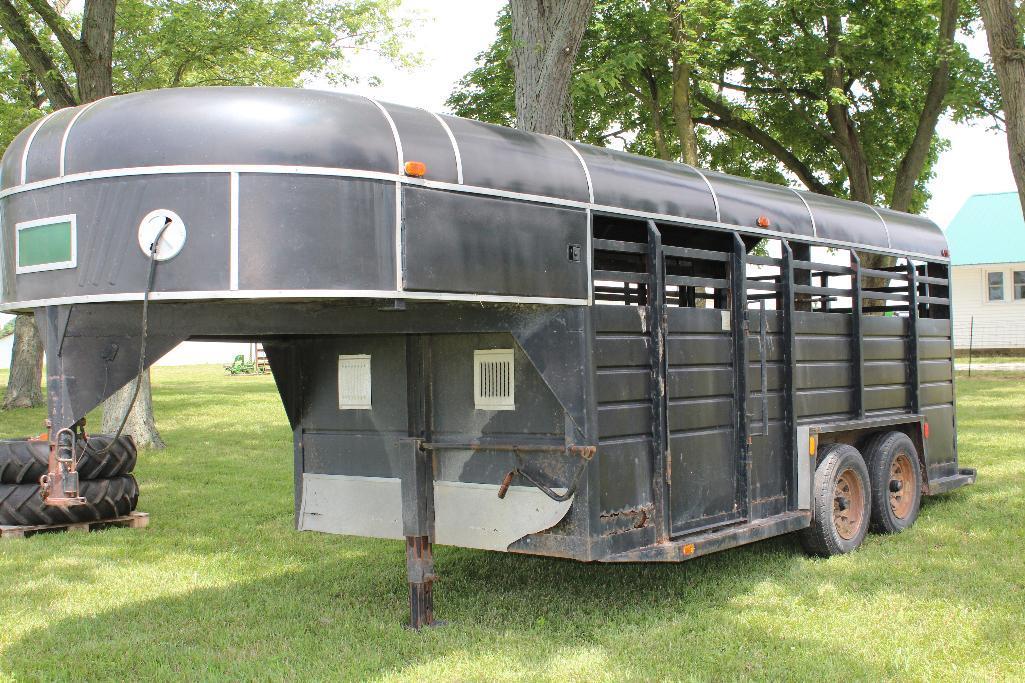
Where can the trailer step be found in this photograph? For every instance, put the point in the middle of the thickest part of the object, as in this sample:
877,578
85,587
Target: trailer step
135,520
705,543
964,477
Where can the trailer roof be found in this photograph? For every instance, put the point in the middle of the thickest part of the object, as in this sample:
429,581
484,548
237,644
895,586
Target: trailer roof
338,134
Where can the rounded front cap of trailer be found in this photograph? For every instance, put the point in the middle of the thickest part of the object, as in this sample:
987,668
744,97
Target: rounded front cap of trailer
205,126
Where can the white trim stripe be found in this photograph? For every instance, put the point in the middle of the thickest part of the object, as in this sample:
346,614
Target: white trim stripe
294,294
67,134
470,189
814,228
28,145
583,165
715,197
398,190
882,220
233,248
455,146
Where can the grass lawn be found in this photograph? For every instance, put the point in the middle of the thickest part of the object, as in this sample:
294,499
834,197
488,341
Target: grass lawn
221,586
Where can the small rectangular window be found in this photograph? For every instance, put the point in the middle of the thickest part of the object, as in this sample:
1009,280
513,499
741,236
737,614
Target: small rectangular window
354,383
493,381
46,244
996,286
1019,285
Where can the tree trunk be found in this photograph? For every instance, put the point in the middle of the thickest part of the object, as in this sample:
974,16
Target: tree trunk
95,79
546,38
911,166
1007,51
141,424
24,386
682,113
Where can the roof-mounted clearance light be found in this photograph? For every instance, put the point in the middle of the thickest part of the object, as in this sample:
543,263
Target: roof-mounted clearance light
764,222
416,169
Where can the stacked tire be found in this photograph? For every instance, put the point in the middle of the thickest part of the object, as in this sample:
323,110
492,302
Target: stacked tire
105,467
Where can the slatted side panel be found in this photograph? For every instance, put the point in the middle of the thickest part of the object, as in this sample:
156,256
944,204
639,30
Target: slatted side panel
823,377
937,394
701,417
887,382
770,459
624,412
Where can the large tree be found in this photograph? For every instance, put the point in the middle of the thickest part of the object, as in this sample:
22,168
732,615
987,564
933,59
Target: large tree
1005,31
49,61
546,36
841,97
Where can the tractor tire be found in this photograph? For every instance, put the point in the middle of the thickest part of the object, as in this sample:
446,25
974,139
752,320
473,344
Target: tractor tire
841,503
24,462
896,476
22,504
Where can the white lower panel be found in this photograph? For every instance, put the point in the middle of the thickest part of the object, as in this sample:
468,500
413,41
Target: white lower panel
466,515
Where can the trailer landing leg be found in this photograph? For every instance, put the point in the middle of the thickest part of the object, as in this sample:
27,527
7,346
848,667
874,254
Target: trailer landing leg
420,569
418,528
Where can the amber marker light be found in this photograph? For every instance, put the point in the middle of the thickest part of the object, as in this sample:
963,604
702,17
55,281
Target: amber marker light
416,169
813,445
764,222
688,549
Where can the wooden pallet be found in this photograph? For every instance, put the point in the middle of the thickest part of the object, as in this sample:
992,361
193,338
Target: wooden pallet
135,520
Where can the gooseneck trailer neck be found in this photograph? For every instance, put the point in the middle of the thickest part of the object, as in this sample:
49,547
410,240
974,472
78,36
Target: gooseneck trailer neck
484,337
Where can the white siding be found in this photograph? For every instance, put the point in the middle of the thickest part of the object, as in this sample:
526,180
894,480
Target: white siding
997,324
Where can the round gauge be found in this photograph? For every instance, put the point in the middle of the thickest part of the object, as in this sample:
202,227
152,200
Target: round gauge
171,240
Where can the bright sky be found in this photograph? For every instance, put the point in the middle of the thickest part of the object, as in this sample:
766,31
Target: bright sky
456,31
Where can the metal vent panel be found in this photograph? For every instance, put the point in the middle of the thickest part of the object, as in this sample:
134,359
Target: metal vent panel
493,380
354,382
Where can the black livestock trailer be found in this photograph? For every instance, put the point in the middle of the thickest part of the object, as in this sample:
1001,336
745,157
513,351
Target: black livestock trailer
489,338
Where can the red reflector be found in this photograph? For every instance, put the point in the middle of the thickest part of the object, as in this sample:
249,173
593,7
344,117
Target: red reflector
925,429
945,253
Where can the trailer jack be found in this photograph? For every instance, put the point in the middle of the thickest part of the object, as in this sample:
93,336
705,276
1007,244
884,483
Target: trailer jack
59,486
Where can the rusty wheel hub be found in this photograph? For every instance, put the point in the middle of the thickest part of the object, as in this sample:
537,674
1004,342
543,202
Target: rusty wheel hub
902,484
848,504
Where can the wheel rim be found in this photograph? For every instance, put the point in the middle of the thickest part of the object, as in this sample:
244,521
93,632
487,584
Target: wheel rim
848,504
902,486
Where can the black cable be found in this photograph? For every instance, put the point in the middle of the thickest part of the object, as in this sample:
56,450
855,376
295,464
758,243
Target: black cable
142,343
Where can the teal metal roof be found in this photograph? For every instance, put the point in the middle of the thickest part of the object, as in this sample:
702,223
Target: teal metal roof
988,229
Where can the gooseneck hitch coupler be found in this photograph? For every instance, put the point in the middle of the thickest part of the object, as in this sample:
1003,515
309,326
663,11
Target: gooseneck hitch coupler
59,486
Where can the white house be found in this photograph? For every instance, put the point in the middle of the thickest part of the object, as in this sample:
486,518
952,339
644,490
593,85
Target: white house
987,250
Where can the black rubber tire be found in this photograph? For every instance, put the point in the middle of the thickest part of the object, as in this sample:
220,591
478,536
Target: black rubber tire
21,504
822,537
24,462
880,452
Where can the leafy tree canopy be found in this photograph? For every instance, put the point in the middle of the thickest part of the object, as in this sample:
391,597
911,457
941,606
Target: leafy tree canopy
831,94
171,43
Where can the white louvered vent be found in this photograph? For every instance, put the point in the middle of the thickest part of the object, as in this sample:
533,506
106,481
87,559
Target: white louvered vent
354,382
493,380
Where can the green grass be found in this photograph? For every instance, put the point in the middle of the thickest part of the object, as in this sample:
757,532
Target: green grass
221,586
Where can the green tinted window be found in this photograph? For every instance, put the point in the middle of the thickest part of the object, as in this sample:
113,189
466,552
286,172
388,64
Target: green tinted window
45,244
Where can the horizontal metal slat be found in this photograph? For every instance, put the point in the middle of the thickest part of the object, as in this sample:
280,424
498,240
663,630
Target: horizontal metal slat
883,274
763,260
942,301
617,245
619,276
821,291
700,254
823,267
688,281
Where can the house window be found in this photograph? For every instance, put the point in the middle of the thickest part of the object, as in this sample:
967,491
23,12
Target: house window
1019,285
996,286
